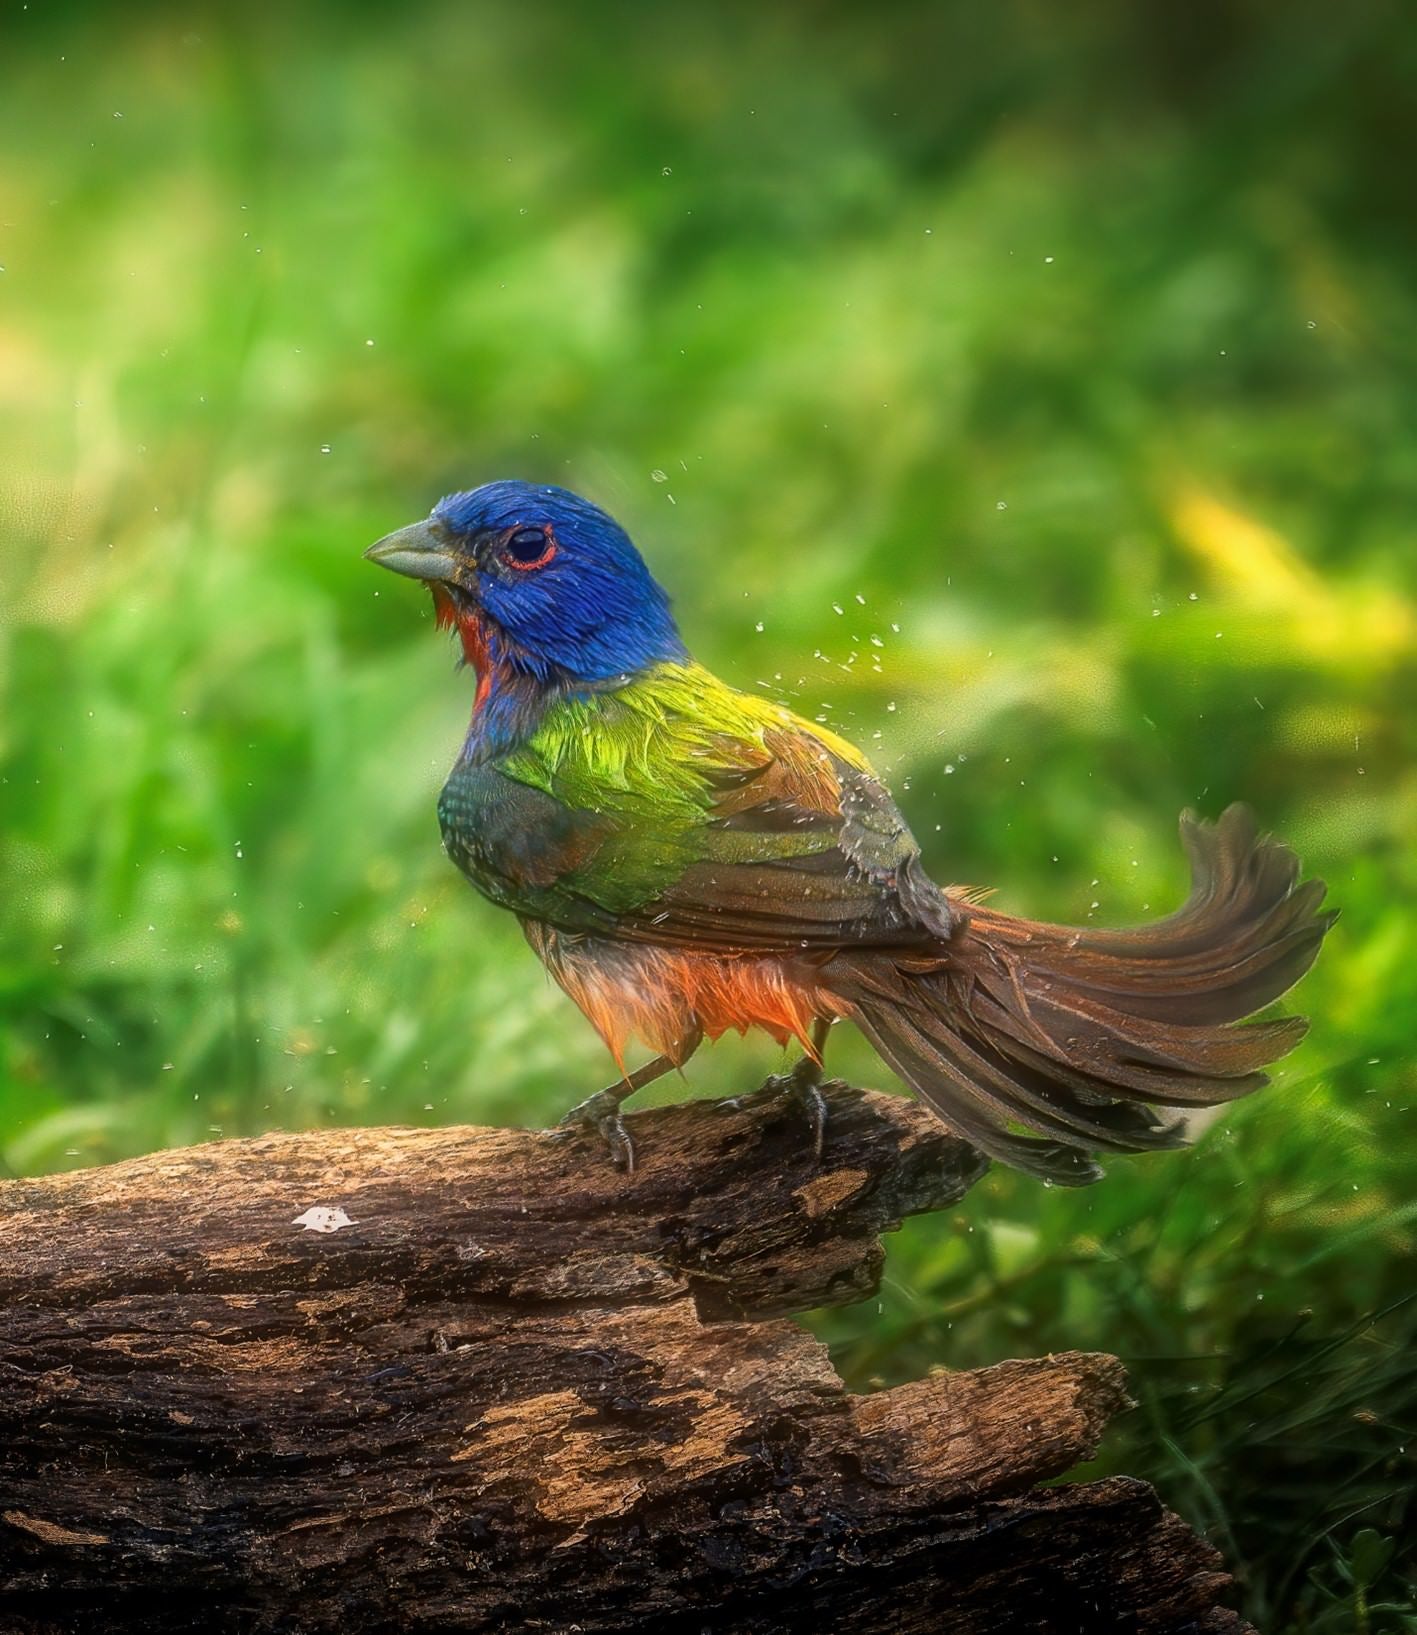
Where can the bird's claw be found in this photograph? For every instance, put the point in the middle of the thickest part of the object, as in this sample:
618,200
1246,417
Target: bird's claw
814,1104
600,1113
804,1085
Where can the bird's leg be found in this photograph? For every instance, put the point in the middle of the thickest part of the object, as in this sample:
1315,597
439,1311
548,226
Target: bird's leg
802,1082
601,1112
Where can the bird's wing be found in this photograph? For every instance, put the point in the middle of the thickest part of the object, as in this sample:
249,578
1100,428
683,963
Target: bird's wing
723,821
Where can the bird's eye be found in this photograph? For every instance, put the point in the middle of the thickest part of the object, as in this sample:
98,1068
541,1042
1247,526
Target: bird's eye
528,548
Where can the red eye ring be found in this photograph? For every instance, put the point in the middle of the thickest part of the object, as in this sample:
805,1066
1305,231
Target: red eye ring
520,544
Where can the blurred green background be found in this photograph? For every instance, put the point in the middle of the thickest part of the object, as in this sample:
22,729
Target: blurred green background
1031,391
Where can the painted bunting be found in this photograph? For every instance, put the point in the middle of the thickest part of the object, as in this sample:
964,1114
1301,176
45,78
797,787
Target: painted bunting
686,858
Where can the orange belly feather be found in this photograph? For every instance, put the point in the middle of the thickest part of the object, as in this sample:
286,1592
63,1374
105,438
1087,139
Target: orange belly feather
664,997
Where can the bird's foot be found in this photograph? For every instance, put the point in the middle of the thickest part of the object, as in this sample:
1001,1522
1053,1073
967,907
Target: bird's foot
802,1084
600,1113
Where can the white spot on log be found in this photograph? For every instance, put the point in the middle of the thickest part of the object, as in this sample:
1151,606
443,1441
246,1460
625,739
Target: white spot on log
318,1218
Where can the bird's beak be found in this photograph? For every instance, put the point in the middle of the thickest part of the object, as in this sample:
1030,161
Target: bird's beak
417,552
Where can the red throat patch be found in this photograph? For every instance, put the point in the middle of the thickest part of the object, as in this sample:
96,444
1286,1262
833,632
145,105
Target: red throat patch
473,635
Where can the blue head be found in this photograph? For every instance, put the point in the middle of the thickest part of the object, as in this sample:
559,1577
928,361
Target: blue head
539,581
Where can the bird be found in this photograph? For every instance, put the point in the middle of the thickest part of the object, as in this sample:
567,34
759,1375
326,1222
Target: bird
687,859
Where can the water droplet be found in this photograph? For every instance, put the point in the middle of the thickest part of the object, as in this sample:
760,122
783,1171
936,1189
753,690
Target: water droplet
324,448
1001,505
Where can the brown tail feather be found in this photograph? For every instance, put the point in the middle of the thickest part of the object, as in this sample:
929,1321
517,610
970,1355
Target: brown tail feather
1074,1035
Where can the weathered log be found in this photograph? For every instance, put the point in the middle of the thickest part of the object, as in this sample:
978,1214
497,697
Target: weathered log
478,1380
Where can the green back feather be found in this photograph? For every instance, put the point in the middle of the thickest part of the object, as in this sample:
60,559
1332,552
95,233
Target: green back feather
650,758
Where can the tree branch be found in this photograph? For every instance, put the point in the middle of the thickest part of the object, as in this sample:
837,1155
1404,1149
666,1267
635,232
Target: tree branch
478,1380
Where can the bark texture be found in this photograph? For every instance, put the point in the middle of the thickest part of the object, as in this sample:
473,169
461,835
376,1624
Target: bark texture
477,1380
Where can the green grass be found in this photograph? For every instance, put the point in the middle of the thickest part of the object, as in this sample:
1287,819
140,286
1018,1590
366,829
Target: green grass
1070,355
